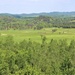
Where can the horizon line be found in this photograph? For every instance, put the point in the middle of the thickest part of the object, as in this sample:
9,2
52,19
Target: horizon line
40,12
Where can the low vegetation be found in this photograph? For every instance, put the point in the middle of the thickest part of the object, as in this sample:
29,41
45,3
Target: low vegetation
35,35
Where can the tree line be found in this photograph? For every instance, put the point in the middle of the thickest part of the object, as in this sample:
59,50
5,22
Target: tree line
10,22
32,58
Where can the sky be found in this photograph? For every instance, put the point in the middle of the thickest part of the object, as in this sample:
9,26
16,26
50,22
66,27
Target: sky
36,6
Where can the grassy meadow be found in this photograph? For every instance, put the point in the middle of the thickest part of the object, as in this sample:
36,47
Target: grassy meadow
35,35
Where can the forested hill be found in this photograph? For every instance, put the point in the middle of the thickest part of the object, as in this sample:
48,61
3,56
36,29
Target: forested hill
56,14
37,21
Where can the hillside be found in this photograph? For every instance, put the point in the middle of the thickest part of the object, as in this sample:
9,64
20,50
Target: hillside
53,14
37,21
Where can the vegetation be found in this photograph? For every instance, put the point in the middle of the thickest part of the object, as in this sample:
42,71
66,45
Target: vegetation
32,58
35,35
42,45
36,23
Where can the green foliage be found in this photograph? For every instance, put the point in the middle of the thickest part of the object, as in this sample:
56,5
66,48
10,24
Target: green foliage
26,57
54,30
32,58
66,67
10,22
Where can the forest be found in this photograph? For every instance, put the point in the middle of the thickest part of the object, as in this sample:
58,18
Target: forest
32,58
14,22
28,57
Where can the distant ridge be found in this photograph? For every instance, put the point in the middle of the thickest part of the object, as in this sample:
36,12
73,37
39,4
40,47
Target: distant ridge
56,14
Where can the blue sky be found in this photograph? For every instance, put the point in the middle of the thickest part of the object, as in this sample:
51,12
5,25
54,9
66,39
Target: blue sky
36,6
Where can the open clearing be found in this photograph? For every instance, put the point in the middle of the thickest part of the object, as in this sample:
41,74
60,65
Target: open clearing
35,35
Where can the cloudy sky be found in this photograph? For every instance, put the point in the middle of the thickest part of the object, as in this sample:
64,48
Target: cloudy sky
36,6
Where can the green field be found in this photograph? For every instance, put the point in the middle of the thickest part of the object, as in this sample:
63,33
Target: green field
35,35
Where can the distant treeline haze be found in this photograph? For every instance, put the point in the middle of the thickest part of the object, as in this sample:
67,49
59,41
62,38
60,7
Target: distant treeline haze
11,22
